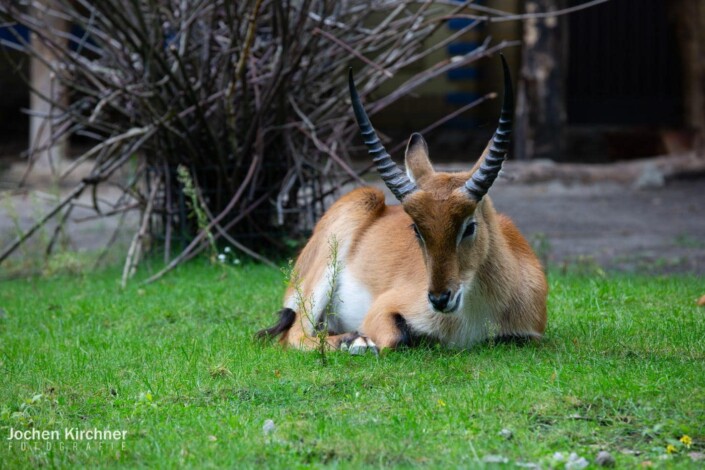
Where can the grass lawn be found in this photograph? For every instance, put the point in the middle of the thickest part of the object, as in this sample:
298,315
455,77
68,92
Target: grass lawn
174,365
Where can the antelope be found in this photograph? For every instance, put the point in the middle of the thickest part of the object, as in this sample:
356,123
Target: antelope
442,265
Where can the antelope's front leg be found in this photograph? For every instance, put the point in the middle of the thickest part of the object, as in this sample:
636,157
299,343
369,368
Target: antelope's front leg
353,342
356,343
383,328
301,337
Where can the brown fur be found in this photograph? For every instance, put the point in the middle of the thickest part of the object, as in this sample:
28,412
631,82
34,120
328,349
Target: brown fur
498,279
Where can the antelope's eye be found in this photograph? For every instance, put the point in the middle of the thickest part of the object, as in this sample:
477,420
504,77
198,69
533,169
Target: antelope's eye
416,231
469,229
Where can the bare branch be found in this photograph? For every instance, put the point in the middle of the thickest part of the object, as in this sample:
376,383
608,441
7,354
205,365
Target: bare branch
133,253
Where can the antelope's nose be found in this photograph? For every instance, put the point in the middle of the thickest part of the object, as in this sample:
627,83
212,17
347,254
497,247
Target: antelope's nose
439,302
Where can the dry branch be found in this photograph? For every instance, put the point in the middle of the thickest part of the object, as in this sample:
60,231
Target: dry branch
136,247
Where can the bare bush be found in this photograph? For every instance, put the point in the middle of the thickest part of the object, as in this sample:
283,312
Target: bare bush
249,96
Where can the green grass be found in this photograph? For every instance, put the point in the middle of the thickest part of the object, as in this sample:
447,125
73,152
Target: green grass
622,368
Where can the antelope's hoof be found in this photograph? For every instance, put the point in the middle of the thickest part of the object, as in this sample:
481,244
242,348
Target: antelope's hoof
357,344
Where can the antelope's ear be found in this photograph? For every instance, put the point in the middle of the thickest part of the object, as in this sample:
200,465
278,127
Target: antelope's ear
416,160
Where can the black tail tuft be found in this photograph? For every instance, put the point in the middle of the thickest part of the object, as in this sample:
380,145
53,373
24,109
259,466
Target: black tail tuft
286,319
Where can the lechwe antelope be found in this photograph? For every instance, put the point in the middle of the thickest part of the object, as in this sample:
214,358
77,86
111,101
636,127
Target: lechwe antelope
442,265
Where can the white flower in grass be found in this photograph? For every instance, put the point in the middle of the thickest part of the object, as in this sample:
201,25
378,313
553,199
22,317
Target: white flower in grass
221,258
227,249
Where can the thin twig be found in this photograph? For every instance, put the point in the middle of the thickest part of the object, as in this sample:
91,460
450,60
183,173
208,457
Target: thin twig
357,54
526,16
133,253
448,117
58,230
127,135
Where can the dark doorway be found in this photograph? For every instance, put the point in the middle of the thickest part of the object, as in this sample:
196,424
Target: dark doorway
624,66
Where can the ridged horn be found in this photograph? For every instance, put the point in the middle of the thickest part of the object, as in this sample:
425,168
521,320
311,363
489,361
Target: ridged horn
396,180
481,181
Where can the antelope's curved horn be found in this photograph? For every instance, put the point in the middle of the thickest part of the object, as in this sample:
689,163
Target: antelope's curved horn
480,182
396,180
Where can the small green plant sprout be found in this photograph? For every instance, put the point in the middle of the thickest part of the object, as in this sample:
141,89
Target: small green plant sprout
197,207
306,304
333,269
